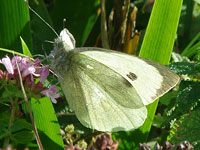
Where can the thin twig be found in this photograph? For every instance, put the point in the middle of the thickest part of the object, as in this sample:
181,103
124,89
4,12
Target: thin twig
5,104
29,110
104,34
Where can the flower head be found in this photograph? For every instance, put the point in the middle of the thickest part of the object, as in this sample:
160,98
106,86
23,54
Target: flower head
44,74
51,93
105,141
30,71
7,63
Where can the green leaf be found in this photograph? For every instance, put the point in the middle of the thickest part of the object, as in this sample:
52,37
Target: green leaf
20,124
4,121
26,50
188,95
47,123
166,99
187,128
190,49
187,98
157,121
187,23
184,68
23,137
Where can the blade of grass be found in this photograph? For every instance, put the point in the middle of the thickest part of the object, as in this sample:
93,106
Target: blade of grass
193,50
14,23
158,44
47,124
187,51
185,38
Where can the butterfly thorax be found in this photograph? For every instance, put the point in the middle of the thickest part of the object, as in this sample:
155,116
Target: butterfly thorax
60,57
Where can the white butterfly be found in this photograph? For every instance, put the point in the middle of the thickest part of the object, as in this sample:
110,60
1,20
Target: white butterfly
108,90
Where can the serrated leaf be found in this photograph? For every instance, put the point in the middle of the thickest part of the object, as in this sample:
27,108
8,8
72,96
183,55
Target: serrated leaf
188,97
23,137
20,124
183,68
188,94
187,128
4,121
4,132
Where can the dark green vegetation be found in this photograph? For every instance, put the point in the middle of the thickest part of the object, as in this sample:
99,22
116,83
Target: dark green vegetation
171,29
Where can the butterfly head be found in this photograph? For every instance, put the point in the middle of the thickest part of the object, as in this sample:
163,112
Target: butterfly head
65,41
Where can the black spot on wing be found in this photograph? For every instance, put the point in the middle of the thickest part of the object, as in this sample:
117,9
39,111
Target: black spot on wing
132,76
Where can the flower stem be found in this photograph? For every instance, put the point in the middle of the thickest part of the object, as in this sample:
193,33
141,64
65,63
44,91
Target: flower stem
30,112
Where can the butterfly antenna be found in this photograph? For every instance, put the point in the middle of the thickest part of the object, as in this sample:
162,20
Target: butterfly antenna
64,23
40,17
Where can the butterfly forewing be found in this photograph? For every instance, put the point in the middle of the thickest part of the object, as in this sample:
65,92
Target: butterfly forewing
111,83
150,79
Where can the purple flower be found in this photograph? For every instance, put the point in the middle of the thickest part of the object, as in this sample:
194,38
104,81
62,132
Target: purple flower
23,62
104,142
30,70
44,74
7,63
51,93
